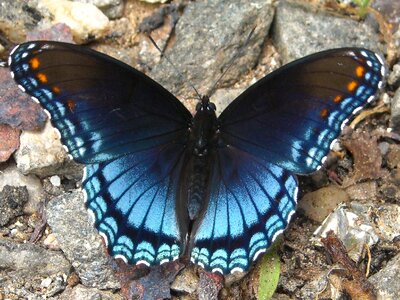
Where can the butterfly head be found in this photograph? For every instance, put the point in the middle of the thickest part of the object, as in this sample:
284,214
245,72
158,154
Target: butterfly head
205,105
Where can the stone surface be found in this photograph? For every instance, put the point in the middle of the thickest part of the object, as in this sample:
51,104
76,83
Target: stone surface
9,138
319,204
10,175
16,107
17,17
41,152
363,191
299,31
186,281
111,8
387,220
394,76
23,268
80,242
222,97
395,111
83,293
387,280
86,21
12,200
205,45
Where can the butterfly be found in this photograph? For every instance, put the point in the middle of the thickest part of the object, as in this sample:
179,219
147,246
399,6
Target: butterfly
160,183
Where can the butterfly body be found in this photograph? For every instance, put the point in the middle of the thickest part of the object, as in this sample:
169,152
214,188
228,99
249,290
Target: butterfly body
160,183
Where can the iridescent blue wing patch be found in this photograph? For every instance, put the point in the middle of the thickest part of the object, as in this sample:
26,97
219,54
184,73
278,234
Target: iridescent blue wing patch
103,108
291,117
128,130
251,203
133,204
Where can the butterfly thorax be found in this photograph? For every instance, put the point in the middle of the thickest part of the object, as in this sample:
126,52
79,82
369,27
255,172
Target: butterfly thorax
204,128
203,137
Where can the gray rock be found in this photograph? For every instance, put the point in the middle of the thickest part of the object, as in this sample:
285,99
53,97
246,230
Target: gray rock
387,280
395,112
18,17
80,242
83,293
208,35
111,8
299,31
42,153
186,281
12,200
222,97
394,76
10,175
319,204
23,268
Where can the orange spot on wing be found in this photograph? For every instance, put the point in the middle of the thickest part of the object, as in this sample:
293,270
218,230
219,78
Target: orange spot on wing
337,99
360,71
71,105
35,63
352,86
42,77
324,113
56,90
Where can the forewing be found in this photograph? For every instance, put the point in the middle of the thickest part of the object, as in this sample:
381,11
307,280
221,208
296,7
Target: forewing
292,116
103,108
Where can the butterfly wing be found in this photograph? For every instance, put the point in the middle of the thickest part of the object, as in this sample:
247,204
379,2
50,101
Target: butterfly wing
103,108
251,203
283,124
133,202
128,129
291,116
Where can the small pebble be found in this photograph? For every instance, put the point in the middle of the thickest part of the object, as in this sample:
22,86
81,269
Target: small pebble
46,282
51,242
55,180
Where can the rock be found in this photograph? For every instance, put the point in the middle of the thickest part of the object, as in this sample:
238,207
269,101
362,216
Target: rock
86,21
205,45
387,280
80,242
83,293
393,157
319,204
41,153
16,107
395,111
9,138
394,76
363,191
186,281
58,32
23,267
222,97
111,8
51,242
299,31
11,176
12,200
387,220
154,1
17,17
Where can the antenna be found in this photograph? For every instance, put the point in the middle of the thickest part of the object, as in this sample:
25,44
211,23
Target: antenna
230,63
175,68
